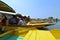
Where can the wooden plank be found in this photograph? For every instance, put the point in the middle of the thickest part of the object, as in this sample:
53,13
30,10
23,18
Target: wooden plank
39,35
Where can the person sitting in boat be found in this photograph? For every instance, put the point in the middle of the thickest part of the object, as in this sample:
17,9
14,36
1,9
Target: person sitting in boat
4,20
3,23
26,19
23,20
20,22
13,20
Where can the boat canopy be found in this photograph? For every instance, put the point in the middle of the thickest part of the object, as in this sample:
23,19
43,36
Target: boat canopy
4,12
6,7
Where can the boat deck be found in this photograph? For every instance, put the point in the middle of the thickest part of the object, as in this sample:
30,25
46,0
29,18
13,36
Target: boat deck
33,34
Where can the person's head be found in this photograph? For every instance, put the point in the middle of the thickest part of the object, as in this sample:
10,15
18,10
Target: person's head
24,17
14,16
28,16
19,15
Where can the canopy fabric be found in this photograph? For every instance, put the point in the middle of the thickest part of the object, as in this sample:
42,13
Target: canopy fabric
39,35
4,12
5,7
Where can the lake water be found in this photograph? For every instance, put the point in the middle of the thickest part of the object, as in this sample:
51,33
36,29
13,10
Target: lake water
56,26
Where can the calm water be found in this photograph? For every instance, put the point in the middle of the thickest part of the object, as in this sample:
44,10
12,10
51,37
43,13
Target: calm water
56,26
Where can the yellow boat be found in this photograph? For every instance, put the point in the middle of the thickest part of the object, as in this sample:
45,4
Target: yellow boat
16,30
29,24
31,34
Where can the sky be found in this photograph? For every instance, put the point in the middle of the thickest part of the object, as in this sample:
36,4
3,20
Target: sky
36,8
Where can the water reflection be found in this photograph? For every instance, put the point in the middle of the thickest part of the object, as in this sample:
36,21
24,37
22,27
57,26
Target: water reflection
56,26
43,28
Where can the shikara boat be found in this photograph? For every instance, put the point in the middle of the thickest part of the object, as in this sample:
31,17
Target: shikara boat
29,24
22,29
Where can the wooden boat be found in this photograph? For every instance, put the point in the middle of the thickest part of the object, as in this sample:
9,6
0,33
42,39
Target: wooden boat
29,24
17,30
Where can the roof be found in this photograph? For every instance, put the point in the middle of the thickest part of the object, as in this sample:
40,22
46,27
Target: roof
5,7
